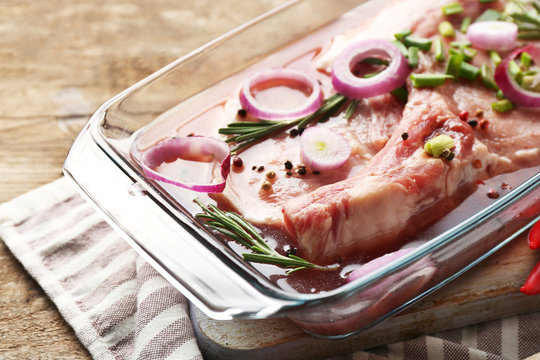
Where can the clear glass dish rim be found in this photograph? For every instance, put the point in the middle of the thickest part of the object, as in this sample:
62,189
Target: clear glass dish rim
302,299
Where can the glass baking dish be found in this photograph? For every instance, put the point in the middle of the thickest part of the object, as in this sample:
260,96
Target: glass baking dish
157,222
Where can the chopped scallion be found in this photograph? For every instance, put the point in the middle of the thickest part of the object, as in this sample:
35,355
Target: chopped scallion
499,94
429,80
401,48
460,44
413,56
451,9
487,1
400,35
454,64
531,83
465,25
495,57
439,50
446,29
515,71
489,15
525,60
439,145
502,105
487,77
421,43
468,71
467,52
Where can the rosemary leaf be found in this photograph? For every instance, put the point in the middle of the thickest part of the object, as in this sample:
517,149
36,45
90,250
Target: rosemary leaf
246,133
351,108
238,229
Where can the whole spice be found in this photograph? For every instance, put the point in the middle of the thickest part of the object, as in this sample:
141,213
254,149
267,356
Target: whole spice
242,113
492,194
477,164
288,165
237,162
266,186
464,115
271,175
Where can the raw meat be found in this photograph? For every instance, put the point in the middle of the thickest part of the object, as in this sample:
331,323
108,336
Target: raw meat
401,189
375,208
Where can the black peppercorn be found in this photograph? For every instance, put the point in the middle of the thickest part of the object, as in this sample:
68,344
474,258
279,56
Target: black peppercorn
288,165
473,123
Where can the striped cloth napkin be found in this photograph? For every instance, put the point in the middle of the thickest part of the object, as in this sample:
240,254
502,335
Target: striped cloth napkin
121,308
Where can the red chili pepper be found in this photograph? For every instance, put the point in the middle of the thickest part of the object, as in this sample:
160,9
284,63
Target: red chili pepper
532,284
534,236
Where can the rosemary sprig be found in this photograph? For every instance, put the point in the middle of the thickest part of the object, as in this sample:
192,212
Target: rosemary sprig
238,229
527,18
245,133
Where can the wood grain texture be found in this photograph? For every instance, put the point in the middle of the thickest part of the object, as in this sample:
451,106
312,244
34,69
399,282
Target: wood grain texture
60,60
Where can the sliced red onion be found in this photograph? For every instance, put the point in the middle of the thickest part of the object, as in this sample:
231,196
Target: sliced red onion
493,35
193,147
377,264
260,111
393,76
323,148
509,86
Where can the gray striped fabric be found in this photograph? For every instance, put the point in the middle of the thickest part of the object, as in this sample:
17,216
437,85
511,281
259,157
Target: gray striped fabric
121,308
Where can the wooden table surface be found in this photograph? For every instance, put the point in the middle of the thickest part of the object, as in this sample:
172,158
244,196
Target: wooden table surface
59,61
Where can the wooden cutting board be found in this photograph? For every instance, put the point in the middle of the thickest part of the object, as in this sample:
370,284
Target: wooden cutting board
487,292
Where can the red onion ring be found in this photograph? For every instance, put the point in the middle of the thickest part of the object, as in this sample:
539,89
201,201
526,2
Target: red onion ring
323,148
194,146
258,110
346,83
509,86
493,35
